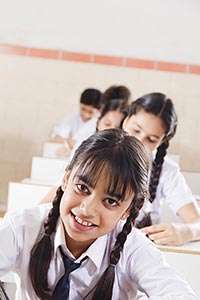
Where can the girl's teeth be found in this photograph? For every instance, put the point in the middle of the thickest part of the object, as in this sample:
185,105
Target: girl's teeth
84,223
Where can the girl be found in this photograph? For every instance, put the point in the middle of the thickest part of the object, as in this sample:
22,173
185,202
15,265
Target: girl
153,120
90,222
112,115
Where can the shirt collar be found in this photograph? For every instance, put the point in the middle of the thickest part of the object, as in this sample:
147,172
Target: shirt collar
95,252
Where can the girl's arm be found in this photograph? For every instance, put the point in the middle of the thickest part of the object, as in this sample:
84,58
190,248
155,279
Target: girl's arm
8,247
156,279
177,233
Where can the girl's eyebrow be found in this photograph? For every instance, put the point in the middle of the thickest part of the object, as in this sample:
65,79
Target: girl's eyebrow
88,182
85,180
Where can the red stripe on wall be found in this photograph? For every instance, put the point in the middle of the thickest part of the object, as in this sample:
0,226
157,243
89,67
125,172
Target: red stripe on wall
14,50
52,54
108,60
139,63
194,69
81,57
172,67
100,59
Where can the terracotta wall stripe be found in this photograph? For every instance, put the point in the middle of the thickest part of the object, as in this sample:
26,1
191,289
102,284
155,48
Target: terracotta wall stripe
108,60
172,67
139,63
43,53
14,50
100,59
194,69
81,57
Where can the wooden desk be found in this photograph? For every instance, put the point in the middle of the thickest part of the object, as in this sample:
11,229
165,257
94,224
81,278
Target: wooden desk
190,248
186,260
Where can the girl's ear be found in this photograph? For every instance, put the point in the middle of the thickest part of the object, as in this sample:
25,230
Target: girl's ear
126,213
65,179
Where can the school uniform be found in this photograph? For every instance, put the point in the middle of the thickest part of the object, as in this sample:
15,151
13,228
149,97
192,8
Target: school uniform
141,265
172,189
84,132
68,127
87,129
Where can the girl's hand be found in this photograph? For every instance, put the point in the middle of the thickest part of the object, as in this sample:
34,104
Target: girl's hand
168,234
63,151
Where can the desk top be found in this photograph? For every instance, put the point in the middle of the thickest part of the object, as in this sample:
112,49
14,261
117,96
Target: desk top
190,248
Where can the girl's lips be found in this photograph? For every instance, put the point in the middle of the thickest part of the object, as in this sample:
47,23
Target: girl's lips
81,224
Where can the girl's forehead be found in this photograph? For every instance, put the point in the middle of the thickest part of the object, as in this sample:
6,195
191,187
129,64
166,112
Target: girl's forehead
104,175
149,121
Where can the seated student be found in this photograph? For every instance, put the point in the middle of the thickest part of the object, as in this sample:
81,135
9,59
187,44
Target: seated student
153,120
83,246
114,92
112,116
89,107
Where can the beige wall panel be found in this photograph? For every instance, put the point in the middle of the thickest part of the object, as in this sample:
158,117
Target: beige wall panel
37,93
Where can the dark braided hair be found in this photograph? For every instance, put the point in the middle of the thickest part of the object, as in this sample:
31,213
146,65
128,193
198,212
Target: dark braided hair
105,284
42,251
109,152
159,105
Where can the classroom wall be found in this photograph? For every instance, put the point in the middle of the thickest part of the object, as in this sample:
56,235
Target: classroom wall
52,50
162,30
35,93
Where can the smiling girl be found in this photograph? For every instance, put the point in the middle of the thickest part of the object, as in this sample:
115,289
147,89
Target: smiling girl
90,223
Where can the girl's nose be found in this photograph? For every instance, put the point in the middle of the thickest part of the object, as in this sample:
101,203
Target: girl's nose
88,207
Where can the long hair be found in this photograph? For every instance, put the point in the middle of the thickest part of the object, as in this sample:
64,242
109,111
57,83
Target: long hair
163,107
125,163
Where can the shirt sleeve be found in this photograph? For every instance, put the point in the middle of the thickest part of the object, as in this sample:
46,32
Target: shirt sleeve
9,250
155,278
67,127
174,188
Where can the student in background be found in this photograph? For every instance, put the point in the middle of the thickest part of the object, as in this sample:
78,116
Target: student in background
112,116
89,107
88,231
114,92
153,120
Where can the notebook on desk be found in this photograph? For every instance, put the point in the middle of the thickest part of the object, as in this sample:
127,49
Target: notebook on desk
3,295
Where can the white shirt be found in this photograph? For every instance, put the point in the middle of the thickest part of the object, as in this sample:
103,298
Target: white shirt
141,265
83,133
68,127
172,189
87,129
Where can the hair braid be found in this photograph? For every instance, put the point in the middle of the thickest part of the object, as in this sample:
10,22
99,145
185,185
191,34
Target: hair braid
156,169
105,284
41,253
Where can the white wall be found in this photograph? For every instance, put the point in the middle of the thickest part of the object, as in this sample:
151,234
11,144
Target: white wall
157,29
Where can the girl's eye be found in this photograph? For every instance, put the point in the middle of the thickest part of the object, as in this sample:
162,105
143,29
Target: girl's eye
136,130
111,202
152,141
82,188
